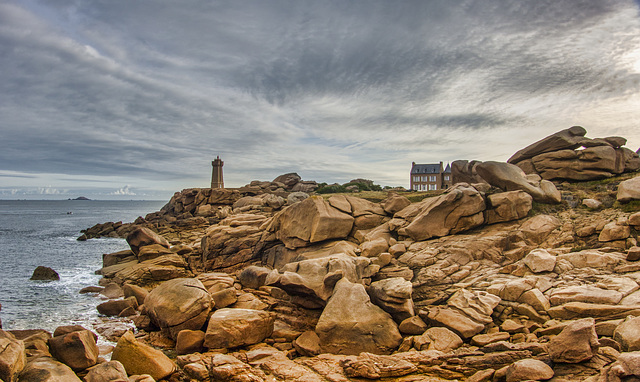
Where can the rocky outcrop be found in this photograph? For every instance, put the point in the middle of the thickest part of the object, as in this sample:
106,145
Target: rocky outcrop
509,177
568,154
12,356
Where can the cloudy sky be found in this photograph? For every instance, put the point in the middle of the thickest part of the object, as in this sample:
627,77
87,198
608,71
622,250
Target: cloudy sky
133,99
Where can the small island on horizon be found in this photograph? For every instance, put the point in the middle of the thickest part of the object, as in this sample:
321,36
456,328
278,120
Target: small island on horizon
80,198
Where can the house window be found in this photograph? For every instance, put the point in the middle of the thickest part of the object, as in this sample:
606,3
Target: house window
432,187
432,178
415,187
446,177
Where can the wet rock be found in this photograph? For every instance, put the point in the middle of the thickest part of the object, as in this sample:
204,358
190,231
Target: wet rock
229,328
138,358
44,274
351,324
178,304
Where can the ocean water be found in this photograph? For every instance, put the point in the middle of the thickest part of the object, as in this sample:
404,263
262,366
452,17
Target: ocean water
34,233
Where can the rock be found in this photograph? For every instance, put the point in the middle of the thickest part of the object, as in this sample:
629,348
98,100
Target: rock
115,307
45,274
138,358
413,325
627,334
130,290
592,204
588,164
253,276
224,298
112,290
536,299
529,370
373,248
289,180
371,366
477,305
314,279
77,349
613,231
393,295
573,310
538,228
107,372
489,338
46,369
351,324
453,319
634,219
144,236
189,341
629,190
12,356
509,177
152,251
307,344
633,254
437,338
459,209
229,328
310,221
540,260
394,203
296,197
570,138
584,293
178,304
507,206
576,343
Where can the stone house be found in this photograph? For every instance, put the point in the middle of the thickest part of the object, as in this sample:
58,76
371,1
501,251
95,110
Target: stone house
430,177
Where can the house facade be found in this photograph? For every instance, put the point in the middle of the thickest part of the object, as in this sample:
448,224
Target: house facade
430,177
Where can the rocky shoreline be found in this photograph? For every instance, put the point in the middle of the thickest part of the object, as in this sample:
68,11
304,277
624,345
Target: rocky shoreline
526,270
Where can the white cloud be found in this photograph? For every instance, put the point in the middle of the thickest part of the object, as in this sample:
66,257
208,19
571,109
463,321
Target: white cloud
126,190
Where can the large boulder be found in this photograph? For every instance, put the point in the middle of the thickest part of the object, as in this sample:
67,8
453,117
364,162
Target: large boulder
149,272
179,304
570,138
351,324
12,356
47,369
77,349
310,221
229,328
138,358
576,343
590,163
459,209
509,177
289,180
529,369
507,206
629,190
144,236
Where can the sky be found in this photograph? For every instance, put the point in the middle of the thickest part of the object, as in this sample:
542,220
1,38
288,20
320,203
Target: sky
128,99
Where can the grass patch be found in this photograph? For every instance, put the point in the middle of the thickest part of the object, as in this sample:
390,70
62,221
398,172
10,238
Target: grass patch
632,206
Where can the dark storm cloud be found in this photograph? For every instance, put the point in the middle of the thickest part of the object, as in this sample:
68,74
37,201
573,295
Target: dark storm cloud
150,90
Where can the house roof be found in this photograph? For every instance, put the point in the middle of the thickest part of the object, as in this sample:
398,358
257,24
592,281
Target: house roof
448,169
432,168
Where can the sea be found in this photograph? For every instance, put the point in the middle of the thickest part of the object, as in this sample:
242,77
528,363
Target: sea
44,232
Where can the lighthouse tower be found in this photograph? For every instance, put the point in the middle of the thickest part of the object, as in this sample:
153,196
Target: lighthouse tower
216,177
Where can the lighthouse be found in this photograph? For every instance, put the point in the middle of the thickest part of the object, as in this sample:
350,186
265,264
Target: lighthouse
216,177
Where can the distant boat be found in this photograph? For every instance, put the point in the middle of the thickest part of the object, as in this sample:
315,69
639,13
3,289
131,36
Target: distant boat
69,213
